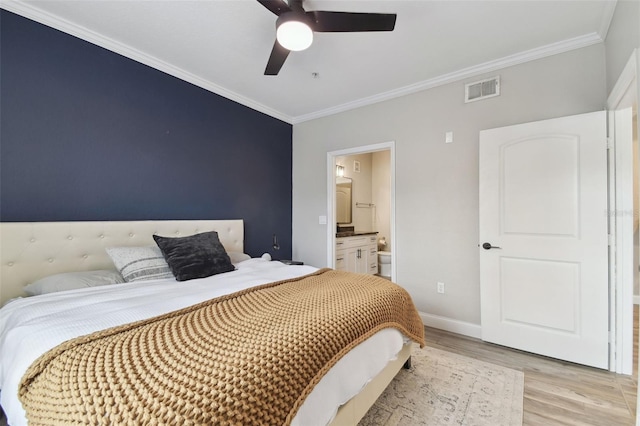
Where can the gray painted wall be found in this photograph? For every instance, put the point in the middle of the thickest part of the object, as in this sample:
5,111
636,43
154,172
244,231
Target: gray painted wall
437,183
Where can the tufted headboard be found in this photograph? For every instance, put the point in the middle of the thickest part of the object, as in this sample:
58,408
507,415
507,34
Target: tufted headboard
32,250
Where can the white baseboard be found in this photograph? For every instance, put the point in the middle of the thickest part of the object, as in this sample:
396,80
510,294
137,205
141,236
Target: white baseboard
452,325
636,299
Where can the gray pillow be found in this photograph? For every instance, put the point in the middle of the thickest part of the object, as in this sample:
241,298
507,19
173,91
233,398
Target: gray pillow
140,263
196,256
72,281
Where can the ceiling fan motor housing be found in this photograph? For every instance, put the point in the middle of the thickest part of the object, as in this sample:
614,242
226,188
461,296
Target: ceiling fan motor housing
295,16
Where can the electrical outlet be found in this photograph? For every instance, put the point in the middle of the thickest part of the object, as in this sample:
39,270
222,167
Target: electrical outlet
440,287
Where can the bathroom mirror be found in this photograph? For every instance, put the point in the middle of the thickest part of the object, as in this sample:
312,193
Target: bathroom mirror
343,200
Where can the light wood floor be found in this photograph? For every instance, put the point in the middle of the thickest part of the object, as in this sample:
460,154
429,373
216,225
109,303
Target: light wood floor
555,392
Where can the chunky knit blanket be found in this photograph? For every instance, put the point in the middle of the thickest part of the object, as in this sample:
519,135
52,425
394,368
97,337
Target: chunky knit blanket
250,357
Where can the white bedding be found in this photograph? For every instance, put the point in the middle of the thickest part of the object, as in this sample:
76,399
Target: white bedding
31,326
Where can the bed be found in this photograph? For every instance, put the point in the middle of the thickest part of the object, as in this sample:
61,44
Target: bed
30,251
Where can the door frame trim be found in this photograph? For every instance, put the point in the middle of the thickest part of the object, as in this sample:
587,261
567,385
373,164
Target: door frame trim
331,196
621,251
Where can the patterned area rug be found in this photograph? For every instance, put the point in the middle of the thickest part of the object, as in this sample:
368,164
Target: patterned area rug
443,388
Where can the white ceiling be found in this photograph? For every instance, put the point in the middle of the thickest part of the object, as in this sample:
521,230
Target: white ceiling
223,45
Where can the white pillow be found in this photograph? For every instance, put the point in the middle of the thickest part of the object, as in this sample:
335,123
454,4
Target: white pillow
72,281
237,257
140,263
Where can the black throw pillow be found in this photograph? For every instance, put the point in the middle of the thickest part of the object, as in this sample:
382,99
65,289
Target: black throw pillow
196,256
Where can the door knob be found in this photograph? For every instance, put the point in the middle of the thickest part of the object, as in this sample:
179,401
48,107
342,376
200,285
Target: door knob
488,246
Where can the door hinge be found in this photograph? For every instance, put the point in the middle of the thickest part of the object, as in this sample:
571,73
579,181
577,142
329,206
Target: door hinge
609,142
610,240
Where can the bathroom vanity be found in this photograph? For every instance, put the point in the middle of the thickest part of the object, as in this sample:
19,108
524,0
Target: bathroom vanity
357,252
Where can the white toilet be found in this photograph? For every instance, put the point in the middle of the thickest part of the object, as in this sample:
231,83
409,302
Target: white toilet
384,264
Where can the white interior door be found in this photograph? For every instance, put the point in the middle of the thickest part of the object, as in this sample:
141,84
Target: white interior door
543,202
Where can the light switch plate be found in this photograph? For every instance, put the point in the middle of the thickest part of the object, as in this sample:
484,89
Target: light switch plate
448,137
322,220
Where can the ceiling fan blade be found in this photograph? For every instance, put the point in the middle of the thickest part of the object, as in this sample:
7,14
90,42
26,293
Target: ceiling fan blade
277,7
276,60
337,22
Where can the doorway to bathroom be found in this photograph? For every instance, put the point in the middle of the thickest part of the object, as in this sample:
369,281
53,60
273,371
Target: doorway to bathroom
361,199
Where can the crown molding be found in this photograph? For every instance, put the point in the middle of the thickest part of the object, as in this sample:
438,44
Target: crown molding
53,21
507,61
607,16
627,77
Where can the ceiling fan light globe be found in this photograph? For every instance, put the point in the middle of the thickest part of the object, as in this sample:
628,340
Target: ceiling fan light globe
294,35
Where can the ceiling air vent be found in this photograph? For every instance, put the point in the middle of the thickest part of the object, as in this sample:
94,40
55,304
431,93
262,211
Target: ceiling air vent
482,89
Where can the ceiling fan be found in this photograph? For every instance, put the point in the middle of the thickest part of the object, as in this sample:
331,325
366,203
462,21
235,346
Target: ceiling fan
295,27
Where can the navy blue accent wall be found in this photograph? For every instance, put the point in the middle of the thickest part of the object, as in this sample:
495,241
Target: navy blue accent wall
87,134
